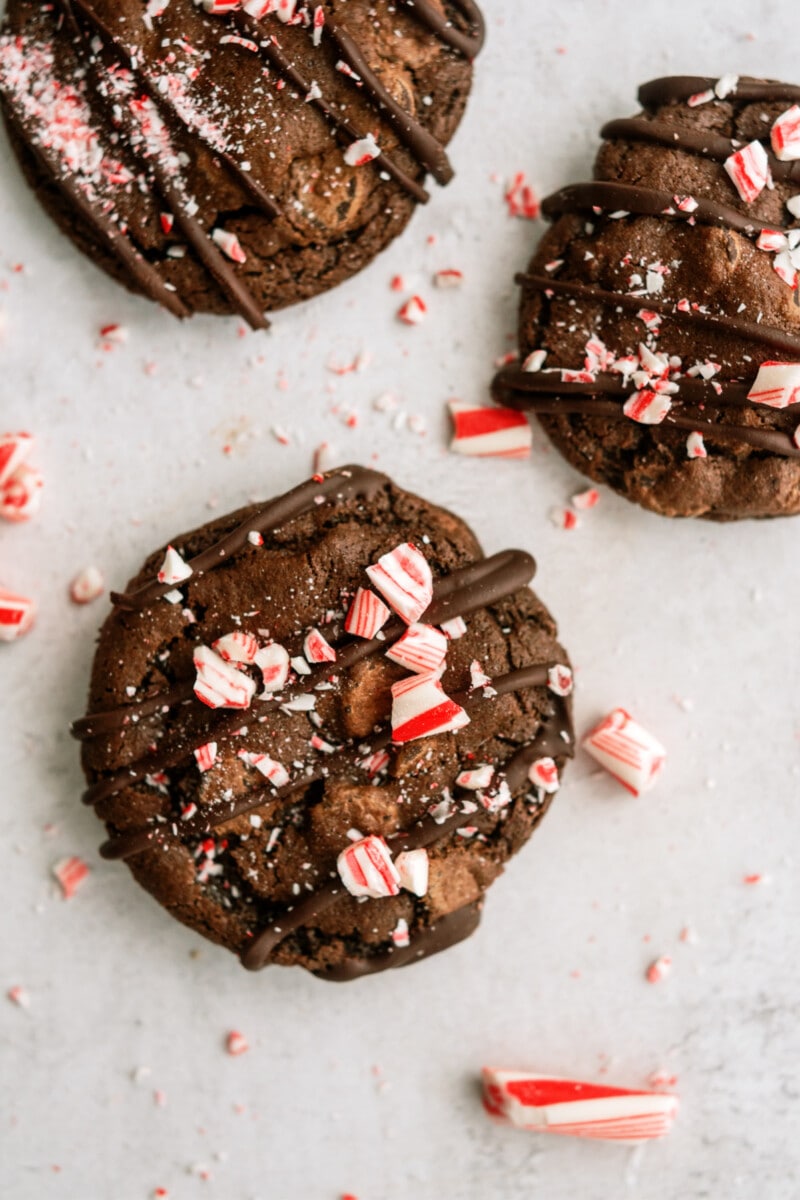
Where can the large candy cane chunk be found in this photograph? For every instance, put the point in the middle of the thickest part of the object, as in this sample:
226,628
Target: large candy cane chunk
777,385
237,647
361,152
368,614
785,135
366,869
648,408
17,615
422,648
273,662
412,869
218,684
317,649
404,579
627,751
749,170
420,708
494,432
565,1106
274,771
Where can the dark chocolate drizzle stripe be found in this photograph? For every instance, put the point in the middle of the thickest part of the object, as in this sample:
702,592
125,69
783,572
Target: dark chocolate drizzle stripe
345,131
459,594
706,145
214,262
674,89
448,931
523,390
768,335
646,202
468,44
422,144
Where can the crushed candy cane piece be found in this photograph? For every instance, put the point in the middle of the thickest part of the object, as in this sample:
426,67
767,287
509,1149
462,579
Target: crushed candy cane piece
476,778
493,432
560,680
239,647
413,869
700,98
14,450
477,675
70,873
362,151
777,385
174,569
413,311
19,996
400,935
583,501
274,771
659,969
420,708
87,585
317,649
373,764
563,518
793,205
218,684
206,756
366,869
229,244
550,1104
403,577
17,614
695,446
627,751
648,408
21,494
785,135
726,85
521,199
422,648
748,168
236,1043
367,615
255,538
454,629
544,774
273,663
448,279
318,24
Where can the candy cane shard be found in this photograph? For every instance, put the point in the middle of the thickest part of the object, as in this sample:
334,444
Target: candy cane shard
489,432
420,708
21,494
366,869
238,647
273,662
560,680
366,615
87,585
777,385
174,569
412,871
317,649
206,756
17,614
648,408
749,171
785,135
359,153
14,450
549,1104
274,771
404,579
627,751
218,684
421,649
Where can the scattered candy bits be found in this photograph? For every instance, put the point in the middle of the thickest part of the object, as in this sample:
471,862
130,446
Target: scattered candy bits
236,1043
87,585
777,385
403,577
366,869
521,199
490,432
420,708
627,751
17,614
413,312
659,969
20,484
548,1104
70,873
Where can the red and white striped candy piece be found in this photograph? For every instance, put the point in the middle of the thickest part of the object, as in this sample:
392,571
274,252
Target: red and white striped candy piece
404,579
237,647
274,771
648,408
454,629
87,585
70,873
560,680
489,432
777,385
548,1104
218,8
258,9
695,446
422,648
218,684
400,934
21,494
659,969
206,756
14,449
785,135
367,615
448,279
17,614
236,1043
229,243
583,501
521,198
627,751
318,24
273,663
420,708
749,171
174,569
373,763
476,778
285,10
362,152
413,311
317,649
366,869
412,869
544,774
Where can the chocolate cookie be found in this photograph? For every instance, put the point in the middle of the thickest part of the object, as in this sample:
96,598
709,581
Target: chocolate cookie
234,157
320,729
660,317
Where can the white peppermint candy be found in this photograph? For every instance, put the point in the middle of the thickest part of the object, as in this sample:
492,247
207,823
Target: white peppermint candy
560,680
362,151
749,171
86,586
366,869
413,312
544,774
695,446
229,244
777,385
627,751
218,684
476,778
404,579
422,648
400,935
274,771
455,628
420,708
174,569
206,756
785,135
17,614
317,649
412,869
237,647
367,615
648,408
273,663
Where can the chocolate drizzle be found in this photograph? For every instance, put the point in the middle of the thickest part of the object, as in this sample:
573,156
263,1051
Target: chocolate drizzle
105,54
697,405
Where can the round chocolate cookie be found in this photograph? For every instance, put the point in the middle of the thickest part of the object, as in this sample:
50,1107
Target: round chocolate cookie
234,157
319,727
660,317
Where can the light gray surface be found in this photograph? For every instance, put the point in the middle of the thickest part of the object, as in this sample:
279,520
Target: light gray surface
370,1088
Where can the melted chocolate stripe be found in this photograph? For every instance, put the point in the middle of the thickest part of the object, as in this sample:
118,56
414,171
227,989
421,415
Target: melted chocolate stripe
706,145
468,44
108,719
643,201
672,89
768,335
422,144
